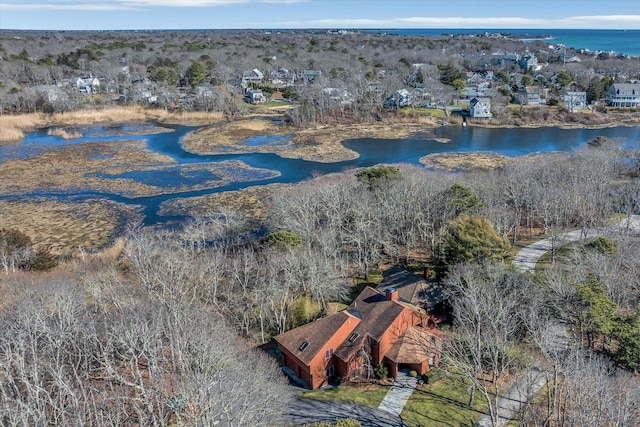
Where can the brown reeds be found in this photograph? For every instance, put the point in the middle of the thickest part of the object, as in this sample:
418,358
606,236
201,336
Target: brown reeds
14,127
64,134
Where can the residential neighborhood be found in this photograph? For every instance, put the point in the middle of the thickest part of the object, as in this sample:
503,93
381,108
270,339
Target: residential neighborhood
503,72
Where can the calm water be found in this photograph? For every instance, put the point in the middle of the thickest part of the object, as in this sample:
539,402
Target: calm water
511,142
621,41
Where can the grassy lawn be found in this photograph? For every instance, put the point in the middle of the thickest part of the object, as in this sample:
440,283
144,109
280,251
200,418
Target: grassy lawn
422,111
442,404
345,393
562,257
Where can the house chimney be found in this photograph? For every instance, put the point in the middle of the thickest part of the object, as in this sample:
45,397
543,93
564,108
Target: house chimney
391,294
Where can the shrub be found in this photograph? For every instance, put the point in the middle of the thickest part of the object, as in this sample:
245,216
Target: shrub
433,375
381,371
602,245
283,240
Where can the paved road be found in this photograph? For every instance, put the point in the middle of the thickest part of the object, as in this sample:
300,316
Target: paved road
533,380
527,258
524,389
304,411
399,393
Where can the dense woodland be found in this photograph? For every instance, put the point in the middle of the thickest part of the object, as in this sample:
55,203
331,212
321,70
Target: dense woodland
160,331
202,70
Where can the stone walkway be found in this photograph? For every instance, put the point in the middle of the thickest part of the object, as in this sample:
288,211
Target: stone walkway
399,393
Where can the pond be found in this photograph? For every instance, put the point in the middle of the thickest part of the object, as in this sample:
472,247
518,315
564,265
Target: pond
511,142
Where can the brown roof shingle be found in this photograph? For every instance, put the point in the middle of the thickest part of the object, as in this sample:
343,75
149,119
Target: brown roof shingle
316,334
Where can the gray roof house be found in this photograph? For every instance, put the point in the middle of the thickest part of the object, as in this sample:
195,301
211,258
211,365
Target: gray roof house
624,95
309,76
399,98
480,108
531,95
252,76
528,62
255,96
575,100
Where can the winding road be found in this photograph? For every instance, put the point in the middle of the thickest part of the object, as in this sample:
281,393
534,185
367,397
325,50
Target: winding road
534,379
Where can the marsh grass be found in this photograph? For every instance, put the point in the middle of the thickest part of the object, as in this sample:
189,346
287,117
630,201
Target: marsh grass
64,134
465,161
14,127
320,144
251,202
65,227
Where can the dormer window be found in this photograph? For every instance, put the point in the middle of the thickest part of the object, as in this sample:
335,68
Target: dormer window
303,346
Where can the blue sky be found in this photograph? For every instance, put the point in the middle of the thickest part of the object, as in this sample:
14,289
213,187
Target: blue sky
226,14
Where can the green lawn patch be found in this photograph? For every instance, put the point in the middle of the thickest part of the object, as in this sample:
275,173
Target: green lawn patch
345,393
422,111
442,405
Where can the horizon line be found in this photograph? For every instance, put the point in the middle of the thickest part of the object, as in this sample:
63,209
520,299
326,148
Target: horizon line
484,29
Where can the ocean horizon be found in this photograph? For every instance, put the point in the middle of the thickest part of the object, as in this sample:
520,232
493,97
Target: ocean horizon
620,41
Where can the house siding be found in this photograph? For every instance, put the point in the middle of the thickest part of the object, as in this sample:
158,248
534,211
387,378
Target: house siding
314,373
398,327
319,364
624,95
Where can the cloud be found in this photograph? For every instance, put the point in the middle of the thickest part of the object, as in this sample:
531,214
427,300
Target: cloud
592,22
31,5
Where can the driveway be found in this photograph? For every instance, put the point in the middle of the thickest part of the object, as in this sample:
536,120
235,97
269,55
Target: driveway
305,411
533,380
528,257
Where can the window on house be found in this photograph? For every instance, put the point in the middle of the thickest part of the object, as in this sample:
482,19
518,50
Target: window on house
353,337
330,371
303,346
328,353
432,361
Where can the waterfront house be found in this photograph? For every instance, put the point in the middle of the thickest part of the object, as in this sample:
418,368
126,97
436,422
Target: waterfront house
398,99
624,95
255,96
531,95
575,100
480,108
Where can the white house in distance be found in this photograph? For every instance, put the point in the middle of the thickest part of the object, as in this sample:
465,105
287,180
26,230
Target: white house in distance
575,100
480,108
255,96
253,76
624,95
86,84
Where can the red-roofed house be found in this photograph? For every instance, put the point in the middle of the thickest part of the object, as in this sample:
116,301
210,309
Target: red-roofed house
376,328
